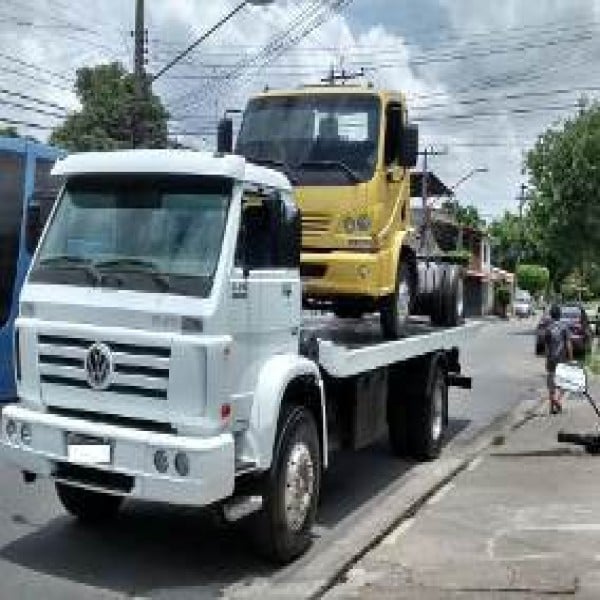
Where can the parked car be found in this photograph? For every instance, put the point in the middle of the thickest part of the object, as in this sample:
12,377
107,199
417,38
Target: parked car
579,325
523,305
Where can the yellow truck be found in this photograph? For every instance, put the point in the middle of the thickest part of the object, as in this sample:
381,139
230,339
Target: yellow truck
348,151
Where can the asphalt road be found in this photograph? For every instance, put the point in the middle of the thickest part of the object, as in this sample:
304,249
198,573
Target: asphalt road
162,552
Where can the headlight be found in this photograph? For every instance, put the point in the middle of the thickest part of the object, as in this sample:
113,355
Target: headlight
26,434
11,431
363,223
349,225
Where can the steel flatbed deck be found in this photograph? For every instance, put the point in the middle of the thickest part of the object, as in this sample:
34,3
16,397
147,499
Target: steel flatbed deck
344,348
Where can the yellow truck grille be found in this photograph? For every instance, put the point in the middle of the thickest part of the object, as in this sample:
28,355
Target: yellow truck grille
315,223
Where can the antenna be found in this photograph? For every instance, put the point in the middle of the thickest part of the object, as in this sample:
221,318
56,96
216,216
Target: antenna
342,76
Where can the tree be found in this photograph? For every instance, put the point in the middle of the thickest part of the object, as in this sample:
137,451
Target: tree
533,278
467,216
564,209
514,239
106,119
9,131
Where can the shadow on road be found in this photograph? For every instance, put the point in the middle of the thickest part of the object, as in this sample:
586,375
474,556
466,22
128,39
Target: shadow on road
151,548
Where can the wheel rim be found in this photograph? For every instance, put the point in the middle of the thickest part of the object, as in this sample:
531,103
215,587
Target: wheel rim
438,410
299,485
403,300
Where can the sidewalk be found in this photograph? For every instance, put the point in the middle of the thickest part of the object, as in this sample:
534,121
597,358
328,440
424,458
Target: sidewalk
523,521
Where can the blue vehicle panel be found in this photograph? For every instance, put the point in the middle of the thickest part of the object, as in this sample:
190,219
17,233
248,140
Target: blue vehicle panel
24,171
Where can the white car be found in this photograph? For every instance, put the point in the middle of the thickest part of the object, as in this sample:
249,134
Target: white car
523,305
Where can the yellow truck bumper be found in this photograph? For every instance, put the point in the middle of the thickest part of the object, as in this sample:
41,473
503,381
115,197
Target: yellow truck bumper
343,273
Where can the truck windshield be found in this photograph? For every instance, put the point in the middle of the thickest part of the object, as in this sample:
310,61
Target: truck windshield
328,139
139,233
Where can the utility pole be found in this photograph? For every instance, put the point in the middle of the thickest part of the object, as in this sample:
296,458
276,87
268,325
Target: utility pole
139,73
522,198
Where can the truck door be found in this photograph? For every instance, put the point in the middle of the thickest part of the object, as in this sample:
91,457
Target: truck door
265,295
396,179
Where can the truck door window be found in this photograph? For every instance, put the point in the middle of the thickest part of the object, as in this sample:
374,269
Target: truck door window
392,133
269,233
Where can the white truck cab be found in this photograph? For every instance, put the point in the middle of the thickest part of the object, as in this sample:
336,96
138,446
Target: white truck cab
162,354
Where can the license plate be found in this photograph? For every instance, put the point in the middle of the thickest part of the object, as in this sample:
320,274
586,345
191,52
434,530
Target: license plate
88,450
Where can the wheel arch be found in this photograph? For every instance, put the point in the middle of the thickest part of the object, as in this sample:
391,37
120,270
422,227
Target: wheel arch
284,379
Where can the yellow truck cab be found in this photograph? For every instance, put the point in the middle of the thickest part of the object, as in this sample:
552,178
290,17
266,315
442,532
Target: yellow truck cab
347,150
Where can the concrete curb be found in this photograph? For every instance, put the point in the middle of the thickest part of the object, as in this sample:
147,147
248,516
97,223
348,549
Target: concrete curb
437,476
313,576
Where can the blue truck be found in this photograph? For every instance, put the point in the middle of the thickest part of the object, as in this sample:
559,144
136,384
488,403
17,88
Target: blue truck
27,193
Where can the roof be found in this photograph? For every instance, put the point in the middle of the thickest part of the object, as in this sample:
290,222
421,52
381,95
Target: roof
328,89
170,162
435,186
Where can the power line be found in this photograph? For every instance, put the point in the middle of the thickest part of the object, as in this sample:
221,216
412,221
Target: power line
41,80
33,99
28,65
26,108
9,121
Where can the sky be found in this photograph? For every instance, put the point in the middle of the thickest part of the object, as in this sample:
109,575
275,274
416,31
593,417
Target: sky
483,79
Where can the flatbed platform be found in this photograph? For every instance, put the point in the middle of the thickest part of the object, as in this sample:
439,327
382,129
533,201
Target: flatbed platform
347,347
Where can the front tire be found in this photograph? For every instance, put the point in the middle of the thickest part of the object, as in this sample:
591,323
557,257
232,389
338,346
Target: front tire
292,488
86,505
396,308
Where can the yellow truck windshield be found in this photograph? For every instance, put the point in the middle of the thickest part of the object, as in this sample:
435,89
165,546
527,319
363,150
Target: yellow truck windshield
323,139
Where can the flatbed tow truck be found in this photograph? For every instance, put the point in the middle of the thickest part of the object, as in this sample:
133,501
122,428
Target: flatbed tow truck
162,352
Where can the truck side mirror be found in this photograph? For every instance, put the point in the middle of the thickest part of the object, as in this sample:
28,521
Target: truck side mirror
409,146
225,136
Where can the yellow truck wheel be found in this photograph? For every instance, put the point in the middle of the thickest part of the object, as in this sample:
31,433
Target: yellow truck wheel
395,309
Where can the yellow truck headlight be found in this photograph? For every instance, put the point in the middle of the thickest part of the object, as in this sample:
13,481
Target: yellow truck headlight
362,223
349,225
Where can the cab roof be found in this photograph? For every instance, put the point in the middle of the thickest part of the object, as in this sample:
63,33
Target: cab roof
323,89
170,162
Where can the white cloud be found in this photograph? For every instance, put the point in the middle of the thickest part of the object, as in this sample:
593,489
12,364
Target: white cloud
471,27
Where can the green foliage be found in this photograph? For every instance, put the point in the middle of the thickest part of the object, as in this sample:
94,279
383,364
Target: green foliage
9,131
533,278
564,212
467,216
106,119
503,295
459,257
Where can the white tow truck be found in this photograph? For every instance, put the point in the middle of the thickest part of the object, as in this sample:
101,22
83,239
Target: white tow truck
162,352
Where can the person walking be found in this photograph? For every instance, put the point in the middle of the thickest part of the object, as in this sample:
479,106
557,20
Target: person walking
559,349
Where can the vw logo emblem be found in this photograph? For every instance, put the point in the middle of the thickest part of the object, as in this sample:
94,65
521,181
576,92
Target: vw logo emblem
99,366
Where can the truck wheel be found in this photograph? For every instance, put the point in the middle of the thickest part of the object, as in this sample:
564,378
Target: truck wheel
395,309
453,296
292,488
428,412
88,506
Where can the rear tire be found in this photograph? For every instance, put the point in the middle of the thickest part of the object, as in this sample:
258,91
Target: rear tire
291,488
429,413
396,309
453,296
418,409
86,505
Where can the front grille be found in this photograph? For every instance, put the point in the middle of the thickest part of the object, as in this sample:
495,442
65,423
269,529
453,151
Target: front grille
139,370
105,419
114,482
315,223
